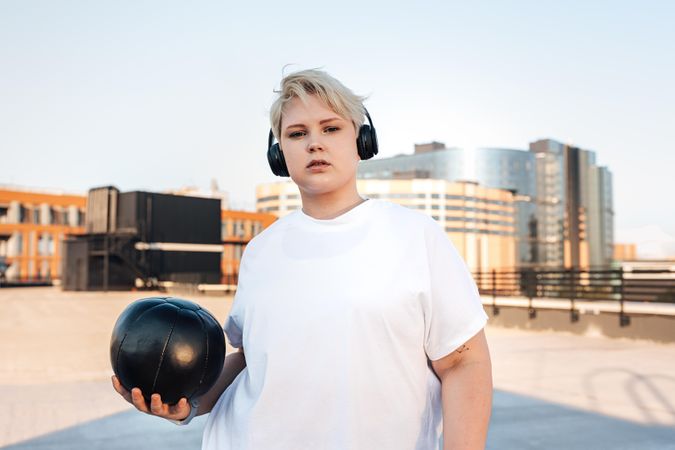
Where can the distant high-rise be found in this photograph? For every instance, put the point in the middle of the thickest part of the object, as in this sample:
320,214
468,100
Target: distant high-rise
563,200
442,164
550,200
494,168
574,202
429,147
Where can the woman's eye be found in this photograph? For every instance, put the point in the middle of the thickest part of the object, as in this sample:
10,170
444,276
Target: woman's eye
331,129
296,134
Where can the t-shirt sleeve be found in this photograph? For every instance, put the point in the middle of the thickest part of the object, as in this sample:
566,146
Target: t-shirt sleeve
233,328
453,311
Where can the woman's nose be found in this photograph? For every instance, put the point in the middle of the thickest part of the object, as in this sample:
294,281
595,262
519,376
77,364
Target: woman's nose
314,145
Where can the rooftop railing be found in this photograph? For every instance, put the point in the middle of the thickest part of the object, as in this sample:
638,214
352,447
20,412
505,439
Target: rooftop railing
620,287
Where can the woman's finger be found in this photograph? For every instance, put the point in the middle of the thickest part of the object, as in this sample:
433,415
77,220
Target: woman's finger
138,400
156,406
180,410
120,389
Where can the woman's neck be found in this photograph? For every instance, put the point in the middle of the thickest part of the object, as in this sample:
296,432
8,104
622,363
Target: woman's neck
325,208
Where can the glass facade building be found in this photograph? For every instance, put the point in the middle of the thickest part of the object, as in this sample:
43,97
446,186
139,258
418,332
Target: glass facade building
575,207
551,199
446,164
495,168
563,199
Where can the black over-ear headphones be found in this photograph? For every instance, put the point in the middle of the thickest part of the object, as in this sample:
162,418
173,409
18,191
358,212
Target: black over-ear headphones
366,144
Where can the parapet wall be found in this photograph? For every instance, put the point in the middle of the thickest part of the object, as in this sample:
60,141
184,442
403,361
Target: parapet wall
654,322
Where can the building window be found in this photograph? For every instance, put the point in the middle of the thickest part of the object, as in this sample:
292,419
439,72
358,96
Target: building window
239,229
268,198
227,228
29,244
15,245
42,245
45,270
58,216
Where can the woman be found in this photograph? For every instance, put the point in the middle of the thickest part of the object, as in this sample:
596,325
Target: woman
359,321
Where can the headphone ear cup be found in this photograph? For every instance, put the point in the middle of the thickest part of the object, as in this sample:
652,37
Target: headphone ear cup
366,142
277,162
373,142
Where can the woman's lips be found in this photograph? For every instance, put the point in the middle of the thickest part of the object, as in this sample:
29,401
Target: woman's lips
318,167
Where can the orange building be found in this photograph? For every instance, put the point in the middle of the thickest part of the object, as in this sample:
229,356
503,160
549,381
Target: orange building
238,228
625,252
33,225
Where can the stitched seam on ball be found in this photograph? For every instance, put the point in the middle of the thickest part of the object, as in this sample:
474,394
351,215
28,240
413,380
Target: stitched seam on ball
117,358
147,311
119,350
206,359
161,357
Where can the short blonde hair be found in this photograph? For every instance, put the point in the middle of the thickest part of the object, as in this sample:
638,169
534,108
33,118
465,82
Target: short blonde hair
301,84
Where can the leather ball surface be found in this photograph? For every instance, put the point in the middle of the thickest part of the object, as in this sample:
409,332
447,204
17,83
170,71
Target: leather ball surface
167,345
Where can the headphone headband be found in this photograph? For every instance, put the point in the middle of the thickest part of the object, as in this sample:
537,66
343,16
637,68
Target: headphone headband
370,121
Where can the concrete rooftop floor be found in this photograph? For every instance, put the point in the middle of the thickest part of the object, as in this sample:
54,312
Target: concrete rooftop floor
552,390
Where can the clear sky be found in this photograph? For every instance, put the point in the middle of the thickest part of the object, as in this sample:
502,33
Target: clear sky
163,94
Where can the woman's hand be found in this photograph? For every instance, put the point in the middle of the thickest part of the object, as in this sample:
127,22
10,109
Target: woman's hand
179,411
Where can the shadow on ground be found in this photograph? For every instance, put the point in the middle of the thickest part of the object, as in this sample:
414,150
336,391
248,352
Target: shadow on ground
518,423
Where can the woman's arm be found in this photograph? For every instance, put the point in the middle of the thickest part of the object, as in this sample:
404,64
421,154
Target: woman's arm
466,392
234,364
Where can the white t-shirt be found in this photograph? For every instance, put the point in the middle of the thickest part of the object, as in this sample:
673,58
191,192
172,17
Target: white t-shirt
337,319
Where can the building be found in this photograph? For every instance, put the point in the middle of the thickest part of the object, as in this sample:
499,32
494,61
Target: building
33,225
513,170
551,201
144,239
494,168
237,229
432,160
563,199
575,212
479,220
625,252
157,239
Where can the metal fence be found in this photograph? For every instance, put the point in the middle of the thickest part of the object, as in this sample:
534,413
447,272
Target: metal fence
619,285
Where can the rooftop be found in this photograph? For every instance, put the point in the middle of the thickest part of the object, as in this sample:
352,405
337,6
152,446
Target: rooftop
552,390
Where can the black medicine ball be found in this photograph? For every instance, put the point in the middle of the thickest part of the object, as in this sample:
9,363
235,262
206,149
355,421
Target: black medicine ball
167,345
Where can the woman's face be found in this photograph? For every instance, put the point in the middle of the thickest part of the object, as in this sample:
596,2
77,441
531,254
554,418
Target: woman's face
312,131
